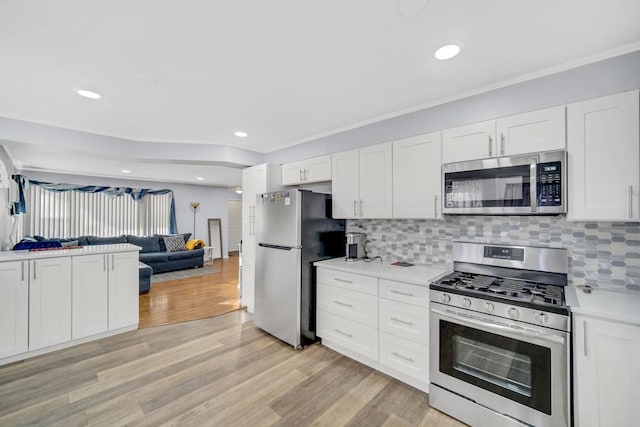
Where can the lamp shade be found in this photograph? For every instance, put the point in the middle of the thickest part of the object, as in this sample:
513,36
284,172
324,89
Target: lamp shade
195,205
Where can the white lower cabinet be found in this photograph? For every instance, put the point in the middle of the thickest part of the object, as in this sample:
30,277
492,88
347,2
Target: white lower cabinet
123,289
14,308
90,289
49,302
606,373
406,356
383,320
351,335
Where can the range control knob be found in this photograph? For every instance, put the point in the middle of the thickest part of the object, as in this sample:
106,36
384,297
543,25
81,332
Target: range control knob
445,298
513,313
542,318
488,307
466,302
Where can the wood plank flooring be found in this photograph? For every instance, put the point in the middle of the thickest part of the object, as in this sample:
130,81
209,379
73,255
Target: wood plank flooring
192,298
220,371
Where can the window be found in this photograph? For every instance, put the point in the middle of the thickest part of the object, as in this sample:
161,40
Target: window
76,213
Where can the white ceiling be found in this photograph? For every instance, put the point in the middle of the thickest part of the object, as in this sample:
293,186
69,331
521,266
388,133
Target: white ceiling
285,71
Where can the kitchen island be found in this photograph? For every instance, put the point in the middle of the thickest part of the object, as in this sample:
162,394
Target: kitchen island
52,299
377,314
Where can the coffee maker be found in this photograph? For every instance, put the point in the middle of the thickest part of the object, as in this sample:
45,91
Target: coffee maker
356,246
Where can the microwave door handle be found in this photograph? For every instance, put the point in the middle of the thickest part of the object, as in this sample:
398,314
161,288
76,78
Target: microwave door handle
533,179
488,326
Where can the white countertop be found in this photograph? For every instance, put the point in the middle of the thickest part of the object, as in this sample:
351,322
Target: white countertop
417,275
607,305
85,250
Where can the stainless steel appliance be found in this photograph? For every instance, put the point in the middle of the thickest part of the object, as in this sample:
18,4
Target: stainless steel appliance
500,337
356,246
293,229
527,184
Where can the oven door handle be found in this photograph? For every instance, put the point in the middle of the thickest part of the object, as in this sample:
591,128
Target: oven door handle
493,326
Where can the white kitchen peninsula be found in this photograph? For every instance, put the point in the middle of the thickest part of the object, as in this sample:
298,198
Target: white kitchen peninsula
53,299
377,314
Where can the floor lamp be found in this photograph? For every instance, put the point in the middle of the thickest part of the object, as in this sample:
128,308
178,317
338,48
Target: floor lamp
194,205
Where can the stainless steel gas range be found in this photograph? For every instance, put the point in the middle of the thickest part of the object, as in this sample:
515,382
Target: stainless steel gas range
500,337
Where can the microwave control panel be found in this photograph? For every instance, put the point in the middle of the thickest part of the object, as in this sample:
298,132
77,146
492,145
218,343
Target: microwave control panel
549,184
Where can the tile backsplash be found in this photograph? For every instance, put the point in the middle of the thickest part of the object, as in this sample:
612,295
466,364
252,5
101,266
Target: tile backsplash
601,254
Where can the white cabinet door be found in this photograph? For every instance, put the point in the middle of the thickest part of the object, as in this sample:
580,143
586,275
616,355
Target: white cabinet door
345,185
541,130
376,181
475,141
604,158
417,177
49,302
318,169
89,295
123,289
14,308
606,373
293,173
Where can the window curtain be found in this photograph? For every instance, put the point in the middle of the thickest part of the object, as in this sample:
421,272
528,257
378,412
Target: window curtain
66,210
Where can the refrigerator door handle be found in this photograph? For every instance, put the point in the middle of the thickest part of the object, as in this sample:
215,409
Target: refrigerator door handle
282,248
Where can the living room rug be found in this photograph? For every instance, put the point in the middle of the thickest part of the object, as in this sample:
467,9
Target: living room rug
182,274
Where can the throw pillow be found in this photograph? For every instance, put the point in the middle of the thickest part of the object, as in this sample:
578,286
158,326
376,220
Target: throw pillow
174,243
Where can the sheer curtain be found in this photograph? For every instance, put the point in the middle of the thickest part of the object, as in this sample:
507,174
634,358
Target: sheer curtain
75,213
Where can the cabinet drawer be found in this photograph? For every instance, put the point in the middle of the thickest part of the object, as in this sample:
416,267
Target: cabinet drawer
404,292
404,320
354,282
351,335
405,356
351,305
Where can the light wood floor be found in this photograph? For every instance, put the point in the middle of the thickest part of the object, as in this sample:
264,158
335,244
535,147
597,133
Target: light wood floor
220,371
192,298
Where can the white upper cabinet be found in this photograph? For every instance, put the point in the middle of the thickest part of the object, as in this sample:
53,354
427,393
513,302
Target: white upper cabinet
603,145
541,130
417,177
376,181
475,141
317,169
362,182
345,185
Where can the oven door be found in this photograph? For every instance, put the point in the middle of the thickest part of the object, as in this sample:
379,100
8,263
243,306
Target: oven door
510,367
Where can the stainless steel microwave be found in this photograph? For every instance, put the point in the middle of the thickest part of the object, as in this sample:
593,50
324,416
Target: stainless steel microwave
526,184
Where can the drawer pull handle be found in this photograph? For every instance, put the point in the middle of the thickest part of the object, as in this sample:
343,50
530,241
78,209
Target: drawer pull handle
407,294
343,333
408,359
395,319
337,279
344,304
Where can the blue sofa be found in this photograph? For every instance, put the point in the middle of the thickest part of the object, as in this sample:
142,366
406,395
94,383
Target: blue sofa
154,252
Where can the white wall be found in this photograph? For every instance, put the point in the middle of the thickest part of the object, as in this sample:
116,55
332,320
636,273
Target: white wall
213,200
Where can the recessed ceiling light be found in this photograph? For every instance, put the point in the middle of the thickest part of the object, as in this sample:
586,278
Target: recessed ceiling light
199,178
447,51
239,190
89,94
240,134
125,171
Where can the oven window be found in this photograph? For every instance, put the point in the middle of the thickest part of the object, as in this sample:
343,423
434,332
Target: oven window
514,369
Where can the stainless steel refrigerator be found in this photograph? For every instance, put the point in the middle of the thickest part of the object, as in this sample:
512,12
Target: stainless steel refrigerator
294,228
